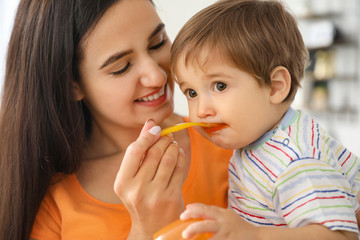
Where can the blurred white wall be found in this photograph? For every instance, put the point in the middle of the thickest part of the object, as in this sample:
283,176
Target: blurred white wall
7,14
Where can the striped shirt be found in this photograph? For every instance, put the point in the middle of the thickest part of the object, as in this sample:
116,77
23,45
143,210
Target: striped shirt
295,175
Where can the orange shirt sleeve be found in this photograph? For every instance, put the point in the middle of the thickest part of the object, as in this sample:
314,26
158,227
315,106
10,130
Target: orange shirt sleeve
75,214
48,222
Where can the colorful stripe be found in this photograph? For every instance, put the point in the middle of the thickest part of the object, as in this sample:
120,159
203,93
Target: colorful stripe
299,175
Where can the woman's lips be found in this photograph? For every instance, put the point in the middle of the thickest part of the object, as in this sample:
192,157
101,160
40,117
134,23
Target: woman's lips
152,96
154,99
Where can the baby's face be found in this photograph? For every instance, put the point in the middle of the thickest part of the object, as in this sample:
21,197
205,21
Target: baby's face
219,92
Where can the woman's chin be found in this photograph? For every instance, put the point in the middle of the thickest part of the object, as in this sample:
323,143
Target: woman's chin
163,114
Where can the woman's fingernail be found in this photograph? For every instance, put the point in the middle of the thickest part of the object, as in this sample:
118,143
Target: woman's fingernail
155,130
150,119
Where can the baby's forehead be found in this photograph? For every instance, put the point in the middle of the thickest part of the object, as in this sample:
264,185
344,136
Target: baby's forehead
201,56
206,65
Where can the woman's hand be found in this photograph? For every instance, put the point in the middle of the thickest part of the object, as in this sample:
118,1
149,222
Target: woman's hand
150,180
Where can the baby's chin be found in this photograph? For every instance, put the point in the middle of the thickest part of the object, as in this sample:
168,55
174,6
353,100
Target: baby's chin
220,140
222,144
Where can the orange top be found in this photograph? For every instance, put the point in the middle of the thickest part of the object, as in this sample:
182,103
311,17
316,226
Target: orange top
68,212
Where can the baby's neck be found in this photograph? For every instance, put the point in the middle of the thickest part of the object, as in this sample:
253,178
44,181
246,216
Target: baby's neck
281,109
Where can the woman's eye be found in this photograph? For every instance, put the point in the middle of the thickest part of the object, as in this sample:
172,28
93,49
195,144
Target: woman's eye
190,93
161,41
123,70
159,45
220,86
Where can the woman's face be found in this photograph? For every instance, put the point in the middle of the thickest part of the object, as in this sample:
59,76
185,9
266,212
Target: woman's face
125,77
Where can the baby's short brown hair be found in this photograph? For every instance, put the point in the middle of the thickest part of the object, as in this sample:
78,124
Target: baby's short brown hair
254,35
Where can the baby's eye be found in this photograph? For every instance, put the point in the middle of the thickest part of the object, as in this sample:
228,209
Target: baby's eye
190,93
220,86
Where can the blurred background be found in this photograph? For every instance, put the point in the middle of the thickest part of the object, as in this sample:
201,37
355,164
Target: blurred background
330,28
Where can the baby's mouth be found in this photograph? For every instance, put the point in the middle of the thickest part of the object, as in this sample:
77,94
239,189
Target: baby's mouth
153,96
216,128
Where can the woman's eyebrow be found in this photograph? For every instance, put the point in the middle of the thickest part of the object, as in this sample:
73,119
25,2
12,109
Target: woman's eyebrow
159,27
119,55
115,57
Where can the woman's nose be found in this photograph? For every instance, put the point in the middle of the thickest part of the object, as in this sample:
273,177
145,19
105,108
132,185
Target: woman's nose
152,74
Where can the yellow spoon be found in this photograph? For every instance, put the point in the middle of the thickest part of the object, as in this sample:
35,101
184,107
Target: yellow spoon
181,126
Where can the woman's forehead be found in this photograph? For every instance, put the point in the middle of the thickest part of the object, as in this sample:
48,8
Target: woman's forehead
125,25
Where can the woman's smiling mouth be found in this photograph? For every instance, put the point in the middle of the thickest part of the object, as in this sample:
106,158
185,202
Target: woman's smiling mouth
152,96
154,99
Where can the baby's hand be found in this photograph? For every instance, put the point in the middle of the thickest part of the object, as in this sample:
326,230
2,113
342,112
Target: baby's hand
223,223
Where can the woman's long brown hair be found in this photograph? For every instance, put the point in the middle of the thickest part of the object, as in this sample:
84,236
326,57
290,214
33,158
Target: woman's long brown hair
42,128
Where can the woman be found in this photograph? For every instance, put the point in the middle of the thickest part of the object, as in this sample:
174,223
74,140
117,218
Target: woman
82,77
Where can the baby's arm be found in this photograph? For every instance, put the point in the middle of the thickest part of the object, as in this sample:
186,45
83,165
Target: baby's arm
226,224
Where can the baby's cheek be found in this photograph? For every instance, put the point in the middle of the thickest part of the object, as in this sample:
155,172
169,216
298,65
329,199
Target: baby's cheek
192,116
192,112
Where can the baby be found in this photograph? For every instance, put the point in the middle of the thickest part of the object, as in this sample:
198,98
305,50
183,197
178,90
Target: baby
240,63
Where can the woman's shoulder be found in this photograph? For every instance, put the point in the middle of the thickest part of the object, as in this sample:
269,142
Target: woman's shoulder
61,184
48,218
65,192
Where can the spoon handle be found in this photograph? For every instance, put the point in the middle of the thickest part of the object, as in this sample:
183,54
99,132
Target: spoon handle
181,126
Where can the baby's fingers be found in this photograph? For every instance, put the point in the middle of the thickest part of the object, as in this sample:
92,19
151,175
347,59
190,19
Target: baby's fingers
209,222
199,210
200,227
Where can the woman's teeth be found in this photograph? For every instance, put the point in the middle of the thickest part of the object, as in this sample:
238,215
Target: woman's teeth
153,97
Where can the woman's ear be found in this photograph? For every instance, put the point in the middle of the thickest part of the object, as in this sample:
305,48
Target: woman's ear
280,84
79,95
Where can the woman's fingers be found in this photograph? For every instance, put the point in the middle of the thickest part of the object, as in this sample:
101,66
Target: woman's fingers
167,164
148,125
154,156
142,182
136,151
181,170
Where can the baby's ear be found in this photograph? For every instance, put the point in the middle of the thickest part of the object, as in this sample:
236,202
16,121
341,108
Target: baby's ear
280,84
79,95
